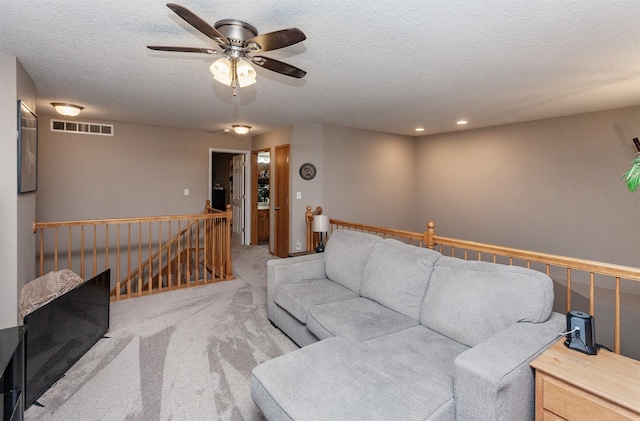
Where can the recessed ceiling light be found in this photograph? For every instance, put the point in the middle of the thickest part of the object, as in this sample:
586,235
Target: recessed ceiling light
461,122
420,129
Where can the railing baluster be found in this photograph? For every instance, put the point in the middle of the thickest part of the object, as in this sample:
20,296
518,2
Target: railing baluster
160,256
205,253
55,249
592,294
118,277
106,247
82,251
169,259
568,290
69,265
179,254
129,261
42,252
150,280
616,328
95,249
140,273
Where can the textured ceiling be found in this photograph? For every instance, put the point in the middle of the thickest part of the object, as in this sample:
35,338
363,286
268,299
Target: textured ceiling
382,65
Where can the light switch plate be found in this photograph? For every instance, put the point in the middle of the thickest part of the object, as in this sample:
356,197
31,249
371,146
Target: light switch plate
298,195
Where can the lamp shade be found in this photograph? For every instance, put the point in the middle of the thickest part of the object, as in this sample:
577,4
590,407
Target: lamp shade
320,223
221,70
246,73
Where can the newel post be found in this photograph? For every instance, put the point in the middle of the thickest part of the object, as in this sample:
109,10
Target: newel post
429,235
207,207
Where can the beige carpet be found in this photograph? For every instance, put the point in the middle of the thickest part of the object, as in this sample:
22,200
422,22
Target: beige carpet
181,355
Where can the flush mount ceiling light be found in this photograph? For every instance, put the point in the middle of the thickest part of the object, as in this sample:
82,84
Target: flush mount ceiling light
461,122
240,128
70,110
420,129
237,41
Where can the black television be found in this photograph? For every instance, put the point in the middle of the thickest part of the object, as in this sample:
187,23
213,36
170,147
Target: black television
63,330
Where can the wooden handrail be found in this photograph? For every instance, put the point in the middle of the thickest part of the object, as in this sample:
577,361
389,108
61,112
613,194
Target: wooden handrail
462,248
204,240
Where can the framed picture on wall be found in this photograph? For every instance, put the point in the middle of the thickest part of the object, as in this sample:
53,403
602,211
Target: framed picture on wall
27,149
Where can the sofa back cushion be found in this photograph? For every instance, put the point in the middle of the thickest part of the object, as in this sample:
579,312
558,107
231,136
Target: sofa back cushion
345,256
469,301
397,274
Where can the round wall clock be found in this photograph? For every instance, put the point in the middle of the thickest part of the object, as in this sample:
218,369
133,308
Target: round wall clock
307,171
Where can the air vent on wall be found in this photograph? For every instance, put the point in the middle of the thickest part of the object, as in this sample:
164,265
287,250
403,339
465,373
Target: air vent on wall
81,127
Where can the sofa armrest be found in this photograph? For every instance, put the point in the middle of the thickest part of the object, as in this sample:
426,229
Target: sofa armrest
289,270
493,380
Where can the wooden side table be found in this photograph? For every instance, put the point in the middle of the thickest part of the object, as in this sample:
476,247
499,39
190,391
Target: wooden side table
571,385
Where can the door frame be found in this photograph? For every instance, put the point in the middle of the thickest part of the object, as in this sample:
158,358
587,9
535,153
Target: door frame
246,238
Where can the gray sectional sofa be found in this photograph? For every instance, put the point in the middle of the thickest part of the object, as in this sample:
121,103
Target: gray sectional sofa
391,331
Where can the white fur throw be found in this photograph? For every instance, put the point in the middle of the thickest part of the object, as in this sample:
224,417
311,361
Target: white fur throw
46,288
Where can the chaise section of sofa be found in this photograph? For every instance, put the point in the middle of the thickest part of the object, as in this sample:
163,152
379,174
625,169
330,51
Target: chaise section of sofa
394,331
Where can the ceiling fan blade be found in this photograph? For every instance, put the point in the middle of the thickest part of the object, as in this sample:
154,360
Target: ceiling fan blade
183,49
198,23
278,66
274,40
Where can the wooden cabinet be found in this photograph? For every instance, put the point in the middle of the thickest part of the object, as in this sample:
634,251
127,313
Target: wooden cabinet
263,225
571,385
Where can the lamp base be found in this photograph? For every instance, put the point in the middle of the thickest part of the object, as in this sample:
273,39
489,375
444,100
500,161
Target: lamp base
320,247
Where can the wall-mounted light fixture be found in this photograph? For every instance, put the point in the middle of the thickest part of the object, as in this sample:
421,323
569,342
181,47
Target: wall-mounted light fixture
70,110
240,128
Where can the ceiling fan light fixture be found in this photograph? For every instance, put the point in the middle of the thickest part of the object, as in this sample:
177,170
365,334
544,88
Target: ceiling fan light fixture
240,128
221,70
70,110
246,73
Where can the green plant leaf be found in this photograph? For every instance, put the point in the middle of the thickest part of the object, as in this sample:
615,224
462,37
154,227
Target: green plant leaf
632,177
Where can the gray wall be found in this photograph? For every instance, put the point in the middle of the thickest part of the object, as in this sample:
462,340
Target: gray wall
368,177
17,212
551,185
140,171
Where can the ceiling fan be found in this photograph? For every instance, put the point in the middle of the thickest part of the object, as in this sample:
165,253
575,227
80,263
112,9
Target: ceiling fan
238,42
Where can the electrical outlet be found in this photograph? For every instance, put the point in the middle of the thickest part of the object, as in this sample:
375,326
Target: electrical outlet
298,245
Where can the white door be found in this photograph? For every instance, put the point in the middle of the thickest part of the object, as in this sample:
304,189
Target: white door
237,197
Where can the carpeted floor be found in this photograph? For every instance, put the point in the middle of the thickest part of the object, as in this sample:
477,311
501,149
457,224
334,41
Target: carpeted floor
181,355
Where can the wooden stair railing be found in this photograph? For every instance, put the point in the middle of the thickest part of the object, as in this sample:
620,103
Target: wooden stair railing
202,240
575,274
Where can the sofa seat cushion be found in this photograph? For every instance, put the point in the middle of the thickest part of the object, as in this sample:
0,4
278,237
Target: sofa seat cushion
397,274
469,301
358,319
404,376
297,297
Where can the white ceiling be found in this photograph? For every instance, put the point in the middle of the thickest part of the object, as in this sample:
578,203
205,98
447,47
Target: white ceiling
383,65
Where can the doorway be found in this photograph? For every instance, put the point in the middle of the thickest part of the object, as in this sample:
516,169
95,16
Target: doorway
261,186
228,185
